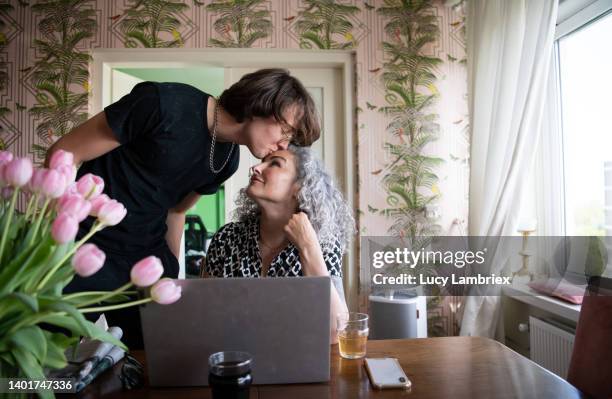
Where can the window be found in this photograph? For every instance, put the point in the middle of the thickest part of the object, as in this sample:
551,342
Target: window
570,190
585,87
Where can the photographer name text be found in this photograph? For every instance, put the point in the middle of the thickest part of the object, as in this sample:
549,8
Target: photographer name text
406,279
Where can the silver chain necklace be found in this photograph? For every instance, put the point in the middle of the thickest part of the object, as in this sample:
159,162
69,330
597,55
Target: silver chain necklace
212,145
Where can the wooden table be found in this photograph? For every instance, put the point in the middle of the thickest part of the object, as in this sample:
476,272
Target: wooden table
450,367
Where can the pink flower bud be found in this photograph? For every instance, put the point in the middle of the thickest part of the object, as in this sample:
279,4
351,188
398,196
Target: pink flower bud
75,205
72,189
18,171
165,291
90,186
63,199
69,172
61,157
35,184
111,213
53,184
97,203
87,260
146,271
5,157
64,228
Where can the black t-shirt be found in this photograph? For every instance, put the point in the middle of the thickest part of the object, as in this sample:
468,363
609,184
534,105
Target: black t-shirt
164,155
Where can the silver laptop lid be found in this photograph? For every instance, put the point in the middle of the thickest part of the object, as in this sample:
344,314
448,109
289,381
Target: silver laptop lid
282,322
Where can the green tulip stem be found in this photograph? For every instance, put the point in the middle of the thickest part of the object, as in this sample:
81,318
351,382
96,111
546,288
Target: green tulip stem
94,229
33,200
38,221
108,295
89,293
8,221
114,307
51,209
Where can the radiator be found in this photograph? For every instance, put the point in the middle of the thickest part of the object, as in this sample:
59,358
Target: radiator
550,345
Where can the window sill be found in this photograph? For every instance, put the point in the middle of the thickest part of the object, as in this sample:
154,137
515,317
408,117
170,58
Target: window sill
523,293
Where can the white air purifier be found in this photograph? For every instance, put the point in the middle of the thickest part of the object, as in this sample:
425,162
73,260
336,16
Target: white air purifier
398,315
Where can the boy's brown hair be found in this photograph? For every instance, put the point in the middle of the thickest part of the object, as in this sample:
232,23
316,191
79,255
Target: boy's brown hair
271,92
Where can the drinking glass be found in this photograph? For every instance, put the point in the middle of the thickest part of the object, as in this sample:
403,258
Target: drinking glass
352,334
229,374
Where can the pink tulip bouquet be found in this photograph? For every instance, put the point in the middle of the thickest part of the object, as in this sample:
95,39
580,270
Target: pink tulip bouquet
39,257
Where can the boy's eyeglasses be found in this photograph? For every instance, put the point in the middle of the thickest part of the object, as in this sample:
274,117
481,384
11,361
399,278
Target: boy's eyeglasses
290,134
287,131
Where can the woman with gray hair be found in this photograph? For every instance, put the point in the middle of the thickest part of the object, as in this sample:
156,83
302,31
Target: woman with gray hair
291,220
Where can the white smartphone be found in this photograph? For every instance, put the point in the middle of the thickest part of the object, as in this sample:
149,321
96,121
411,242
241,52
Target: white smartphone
386,372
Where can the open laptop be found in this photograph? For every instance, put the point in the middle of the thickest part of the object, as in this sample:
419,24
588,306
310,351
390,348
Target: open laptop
283,322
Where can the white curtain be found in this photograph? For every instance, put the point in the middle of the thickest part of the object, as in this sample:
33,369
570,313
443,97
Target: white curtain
550,195
509,47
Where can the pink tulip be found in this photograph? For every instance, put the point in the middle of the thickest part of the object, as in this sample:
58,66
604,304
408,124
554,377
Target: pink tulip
18,171
72,189
61,157
64,228
69,172
111,213
35,184
146,271
90,186
53,184
87,260
64,198
97,203
165,291
75,205
5,157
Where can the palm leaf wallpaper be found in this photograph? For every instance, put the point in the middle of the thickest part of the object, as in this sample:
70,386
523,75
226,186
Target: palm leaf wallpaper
63,25
409,78
239,23
410,85
325,20
146,22
4,75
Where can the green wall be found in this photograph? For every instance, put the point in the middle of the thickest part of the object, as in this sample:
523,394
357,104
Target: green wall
207,79
211,208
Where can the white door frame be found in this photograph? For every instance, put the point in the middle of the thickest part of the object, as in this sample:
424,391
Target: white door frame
104,60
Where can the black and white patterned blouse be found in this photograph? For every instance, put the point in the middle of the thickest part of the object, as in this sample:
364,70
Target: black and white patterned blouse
234,252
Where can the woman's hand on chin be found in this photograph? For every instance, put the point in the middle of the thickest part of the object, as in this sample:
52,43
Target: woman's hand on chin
300,232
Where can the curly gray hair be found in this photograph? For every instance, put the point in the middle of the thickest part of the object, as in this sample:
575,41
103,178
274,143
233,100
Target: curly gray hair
318,197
